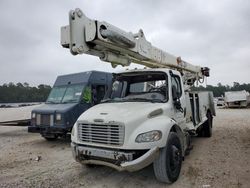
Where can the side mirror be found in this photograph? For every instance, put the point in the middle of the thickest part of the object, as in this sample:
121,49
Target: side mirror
174,93
175,96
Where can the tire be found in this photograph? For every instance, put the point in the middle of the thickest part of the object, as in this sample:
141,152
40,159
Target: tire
90,165
53,138
167,166
207,129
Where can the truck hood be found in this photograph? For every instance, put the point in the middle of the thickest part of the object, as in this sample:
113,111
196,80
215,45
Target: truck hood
124,112
52,108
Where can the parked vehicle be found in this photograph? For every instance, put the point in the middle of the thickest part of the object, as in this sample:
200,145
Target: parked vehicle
236,98
70,96
150,114
220,101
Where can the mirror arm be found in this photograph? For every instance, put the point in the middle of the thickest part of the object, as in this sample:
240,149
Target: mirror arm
178,106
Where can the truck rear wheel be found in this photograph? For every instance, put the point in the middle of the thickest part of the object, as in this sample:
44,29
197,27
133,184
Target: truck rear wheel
208,126
206,129
167,166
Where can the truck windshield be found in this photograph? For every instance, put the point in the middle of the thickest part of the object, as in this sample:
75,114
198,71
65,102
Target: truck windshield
65,94
139,87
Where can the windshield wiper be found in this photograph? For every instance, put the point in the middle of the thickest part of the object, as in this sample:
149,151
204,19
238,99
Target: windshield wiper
106,100
144,100
112,100
69,101
131,99
51,102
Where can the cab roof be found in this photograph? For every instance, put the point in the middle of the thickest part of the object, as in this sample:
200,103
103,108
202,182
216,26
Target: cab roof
81,77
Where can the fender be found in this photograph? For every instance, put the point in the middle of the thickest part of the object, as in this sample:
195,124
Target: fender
183,138
161,123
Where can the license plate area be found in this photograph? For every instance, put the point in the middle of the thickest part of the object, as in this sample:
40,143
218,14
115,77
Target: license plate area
108,154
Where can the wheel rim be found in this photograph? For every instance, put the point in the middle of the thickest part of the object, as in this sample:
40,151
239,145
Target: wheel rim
175,157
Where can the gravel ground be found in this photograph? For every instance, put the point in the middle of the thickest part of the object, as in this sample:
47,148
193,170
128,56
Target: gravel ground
27,160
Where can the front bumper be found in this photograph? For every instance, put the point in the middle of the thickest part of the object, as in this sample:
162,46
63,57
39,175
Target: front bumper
48,129
121,160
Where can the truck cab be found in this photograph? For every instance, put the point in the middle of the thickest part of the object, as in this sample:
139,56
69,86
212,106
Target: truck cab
146,112
70,96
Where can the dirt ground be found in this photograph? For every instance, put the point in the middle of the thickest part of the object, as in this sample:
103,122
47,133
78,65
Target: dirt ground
220,161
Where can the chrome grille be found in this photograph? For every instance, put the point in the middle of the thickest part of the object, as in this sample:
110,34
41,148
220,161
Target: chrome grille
101,134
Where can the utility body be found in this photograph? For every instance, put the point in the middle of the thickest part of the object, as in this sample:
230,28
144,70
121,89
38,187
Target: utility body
149,114
237,99
70,96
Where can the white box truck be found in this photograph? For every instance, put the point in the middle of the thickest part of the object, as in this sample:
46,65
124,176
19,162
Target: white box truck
236,99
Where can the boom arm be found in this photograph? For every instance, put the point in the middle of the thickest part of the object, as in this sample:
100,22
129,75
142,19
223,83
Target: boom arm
111,44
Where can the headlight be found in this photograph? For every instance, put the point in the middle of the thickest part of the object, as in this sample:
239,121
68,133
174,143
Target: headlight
33,115
58,117
73,131
150,136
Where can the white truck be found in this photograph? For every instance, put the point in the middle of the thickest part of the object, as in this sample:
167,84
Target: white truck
150,114
237,99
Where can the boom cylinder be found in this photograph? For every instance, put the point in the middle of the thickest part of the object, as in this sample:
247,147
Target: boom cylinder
114,45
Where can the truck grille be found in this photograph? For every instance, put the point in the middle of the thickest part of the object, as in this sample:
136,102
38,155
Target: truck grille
45,119
101,134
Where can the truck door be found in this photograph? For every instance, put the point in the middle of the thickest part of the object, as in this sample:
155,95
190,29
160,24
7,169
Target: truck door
92,95
98,93
179,114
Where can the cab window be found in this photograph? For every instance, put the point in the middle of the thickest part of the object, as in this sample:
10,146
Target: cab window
176,81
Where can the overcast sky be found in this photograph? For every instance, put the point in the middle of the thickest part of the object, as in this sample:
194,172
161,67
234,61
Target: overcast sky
210,33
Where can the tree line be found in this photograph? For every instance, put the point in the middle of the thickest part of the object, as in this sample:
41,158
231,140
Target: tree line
220,89
22,92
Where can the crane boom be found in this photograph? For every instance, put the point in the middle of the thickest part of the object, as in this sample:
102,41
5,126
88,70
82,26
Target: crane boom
114,45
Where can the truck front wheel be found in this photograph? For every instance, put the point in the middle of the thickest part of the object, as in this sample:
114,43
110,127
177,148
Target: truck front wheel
167,166
51,137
